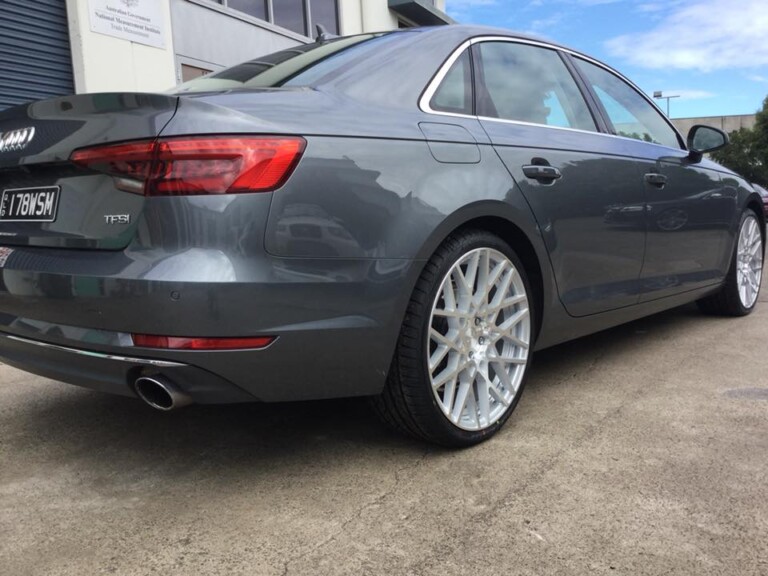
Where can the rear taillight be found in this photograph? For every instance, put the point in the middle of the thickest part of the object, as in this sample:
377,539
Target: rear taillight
181,166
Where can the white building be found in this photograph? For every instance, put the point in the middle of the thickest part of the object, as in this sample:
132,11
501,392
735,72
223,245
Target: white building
54,47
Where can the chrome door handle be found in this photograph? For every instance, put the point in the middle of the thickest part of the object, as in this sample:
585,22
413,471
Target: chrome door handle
542,173
656,179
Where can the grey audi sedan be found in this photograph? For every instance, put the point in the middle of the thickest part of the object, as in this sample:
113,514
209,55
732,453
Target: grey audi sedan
405,216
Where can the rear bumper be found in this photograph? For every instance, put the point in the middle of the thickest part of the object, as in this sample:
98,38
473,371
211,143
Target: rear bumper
336,323
114,373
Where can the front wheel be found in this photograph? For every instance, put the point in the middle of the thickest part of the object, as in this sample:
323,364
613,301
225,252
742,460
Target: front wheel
465,345
738,296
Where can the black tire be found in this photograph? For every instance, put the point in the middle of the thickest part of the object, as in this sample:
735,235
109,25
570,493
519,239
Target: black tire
407,403
728,301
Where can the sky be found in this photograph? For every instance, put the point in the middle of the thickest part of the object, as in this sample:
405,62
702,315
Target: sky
711,53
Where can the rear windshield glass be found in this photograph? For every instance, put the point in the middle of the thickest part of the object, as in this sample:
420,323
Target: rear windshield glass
298,66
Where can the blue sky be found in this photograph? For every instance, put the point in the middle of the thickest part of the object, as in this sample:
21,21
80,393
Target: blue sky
713,53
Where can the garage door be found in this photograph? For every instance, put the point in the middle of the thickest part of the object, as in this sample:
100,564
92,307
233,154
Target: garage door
35,58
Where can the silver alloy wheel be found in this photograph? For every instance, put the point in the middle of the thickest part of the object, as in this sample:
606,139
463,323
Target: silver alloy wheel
749,261
479,338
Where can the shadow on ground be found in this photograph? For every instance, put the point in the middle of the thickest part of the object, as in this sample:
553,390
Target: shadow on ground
72,422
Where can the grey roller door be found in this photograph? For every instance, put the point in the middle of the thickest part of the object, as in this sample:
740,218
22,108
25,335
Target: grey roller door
35,57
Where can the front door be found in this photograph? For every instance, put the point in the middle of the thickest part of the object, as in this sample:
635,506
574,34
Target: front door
688,211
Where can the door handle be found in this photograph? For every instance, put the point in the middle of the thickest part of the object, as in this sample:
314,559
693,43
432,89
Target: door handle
656,179
542,173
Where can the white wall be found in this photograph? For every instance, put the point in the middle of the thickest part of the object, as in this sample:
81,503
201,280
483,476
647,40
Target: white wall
198,33
106,64
358,16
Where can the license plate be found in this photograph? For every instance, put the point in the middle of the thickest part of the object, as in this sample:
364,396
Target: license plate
29,204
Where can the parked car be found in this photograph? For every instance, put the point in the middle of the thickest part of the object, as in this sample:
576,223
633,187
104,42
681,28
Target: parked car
405,215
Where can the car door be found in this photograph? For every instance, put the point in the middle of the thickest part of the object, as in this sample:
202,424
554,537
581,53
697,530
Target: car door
688,211
586,196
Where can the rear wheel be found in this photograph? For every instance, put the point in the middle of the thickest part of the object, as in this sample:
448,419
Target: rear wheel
738,296
465,345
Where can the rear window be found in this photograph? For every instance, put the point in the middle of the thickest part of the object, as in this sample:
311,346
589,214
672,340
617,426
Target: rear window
298,66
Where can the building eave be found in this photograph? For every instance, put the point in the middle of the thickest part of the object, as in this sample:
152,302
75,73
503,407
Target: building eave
420,12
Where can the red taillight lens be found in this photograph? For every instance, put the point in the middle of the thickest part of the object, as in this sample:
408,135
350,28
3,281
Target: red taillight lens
181,166
178,343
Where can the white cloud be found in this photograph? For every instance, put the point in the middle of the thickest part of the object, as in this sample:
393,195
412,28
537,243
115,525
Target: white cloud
758,78
706,35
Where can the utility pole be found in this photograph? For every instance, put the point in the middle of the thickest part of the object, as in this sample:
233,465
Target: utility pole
658,95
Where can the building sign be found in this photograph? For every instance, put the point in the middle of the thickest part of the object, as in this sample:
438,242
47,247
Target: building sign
135,20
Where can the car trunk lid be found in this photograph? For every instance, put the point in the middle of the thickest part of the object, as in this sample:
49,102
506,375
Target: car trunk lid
46,200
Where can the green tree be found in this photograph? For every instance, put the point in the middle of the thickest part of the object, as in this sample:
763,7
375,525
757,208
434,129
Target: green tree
747,154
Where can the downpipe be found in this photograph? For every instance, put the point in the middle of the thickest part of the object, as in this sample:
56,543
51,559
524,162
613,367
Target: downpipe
160,393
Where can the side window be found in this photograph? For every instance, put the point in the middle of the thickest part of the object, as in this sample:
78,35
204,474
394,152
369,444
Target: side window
529,84
455,91
632,115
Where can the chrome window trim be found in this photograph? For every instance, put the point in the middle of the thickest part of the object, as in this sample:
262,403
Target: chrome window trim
434,84
99,355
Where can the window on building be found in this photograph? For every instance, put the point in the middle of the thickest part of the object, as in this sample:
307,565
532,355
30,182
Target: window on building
256,8
325,12
191,72
290,14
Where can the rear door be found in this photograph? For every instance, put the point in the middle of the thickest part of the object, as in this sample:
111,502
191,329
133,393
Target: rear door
585,191
688,211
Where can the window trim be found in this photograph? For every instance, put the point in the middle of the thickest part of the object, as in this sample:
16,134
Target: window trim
602,126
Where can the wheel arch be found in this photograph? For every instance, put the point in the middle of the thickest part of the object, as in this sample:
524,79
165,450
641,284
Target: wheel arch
518,230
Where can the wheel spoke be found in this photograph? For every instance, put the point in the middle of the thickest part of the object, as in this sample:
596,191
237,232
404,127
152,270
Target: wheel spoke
449,392
483,400
444,339
461,401
446,375
512,339
449,296
507,359
509,302
513,320
449,313
505,380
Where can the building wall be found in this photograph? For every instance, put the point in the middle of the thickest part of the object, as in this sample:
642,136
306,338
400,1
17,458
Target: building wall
200,36
726,123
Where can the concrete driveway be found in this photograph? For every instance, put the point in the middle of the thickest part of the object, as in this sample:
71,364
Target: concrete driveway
640,450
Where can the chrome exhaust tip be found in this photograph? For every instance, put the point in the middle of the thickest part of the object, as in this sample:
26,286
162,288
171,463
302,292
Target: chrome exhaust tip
160,393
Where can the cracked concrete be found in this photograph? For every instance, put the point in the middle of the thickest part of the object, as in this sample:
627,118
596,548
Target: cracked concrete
640,450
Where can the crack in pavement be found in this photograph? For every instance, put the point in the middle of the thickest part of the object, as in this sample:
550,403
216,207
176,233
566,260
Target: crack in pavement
359,513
